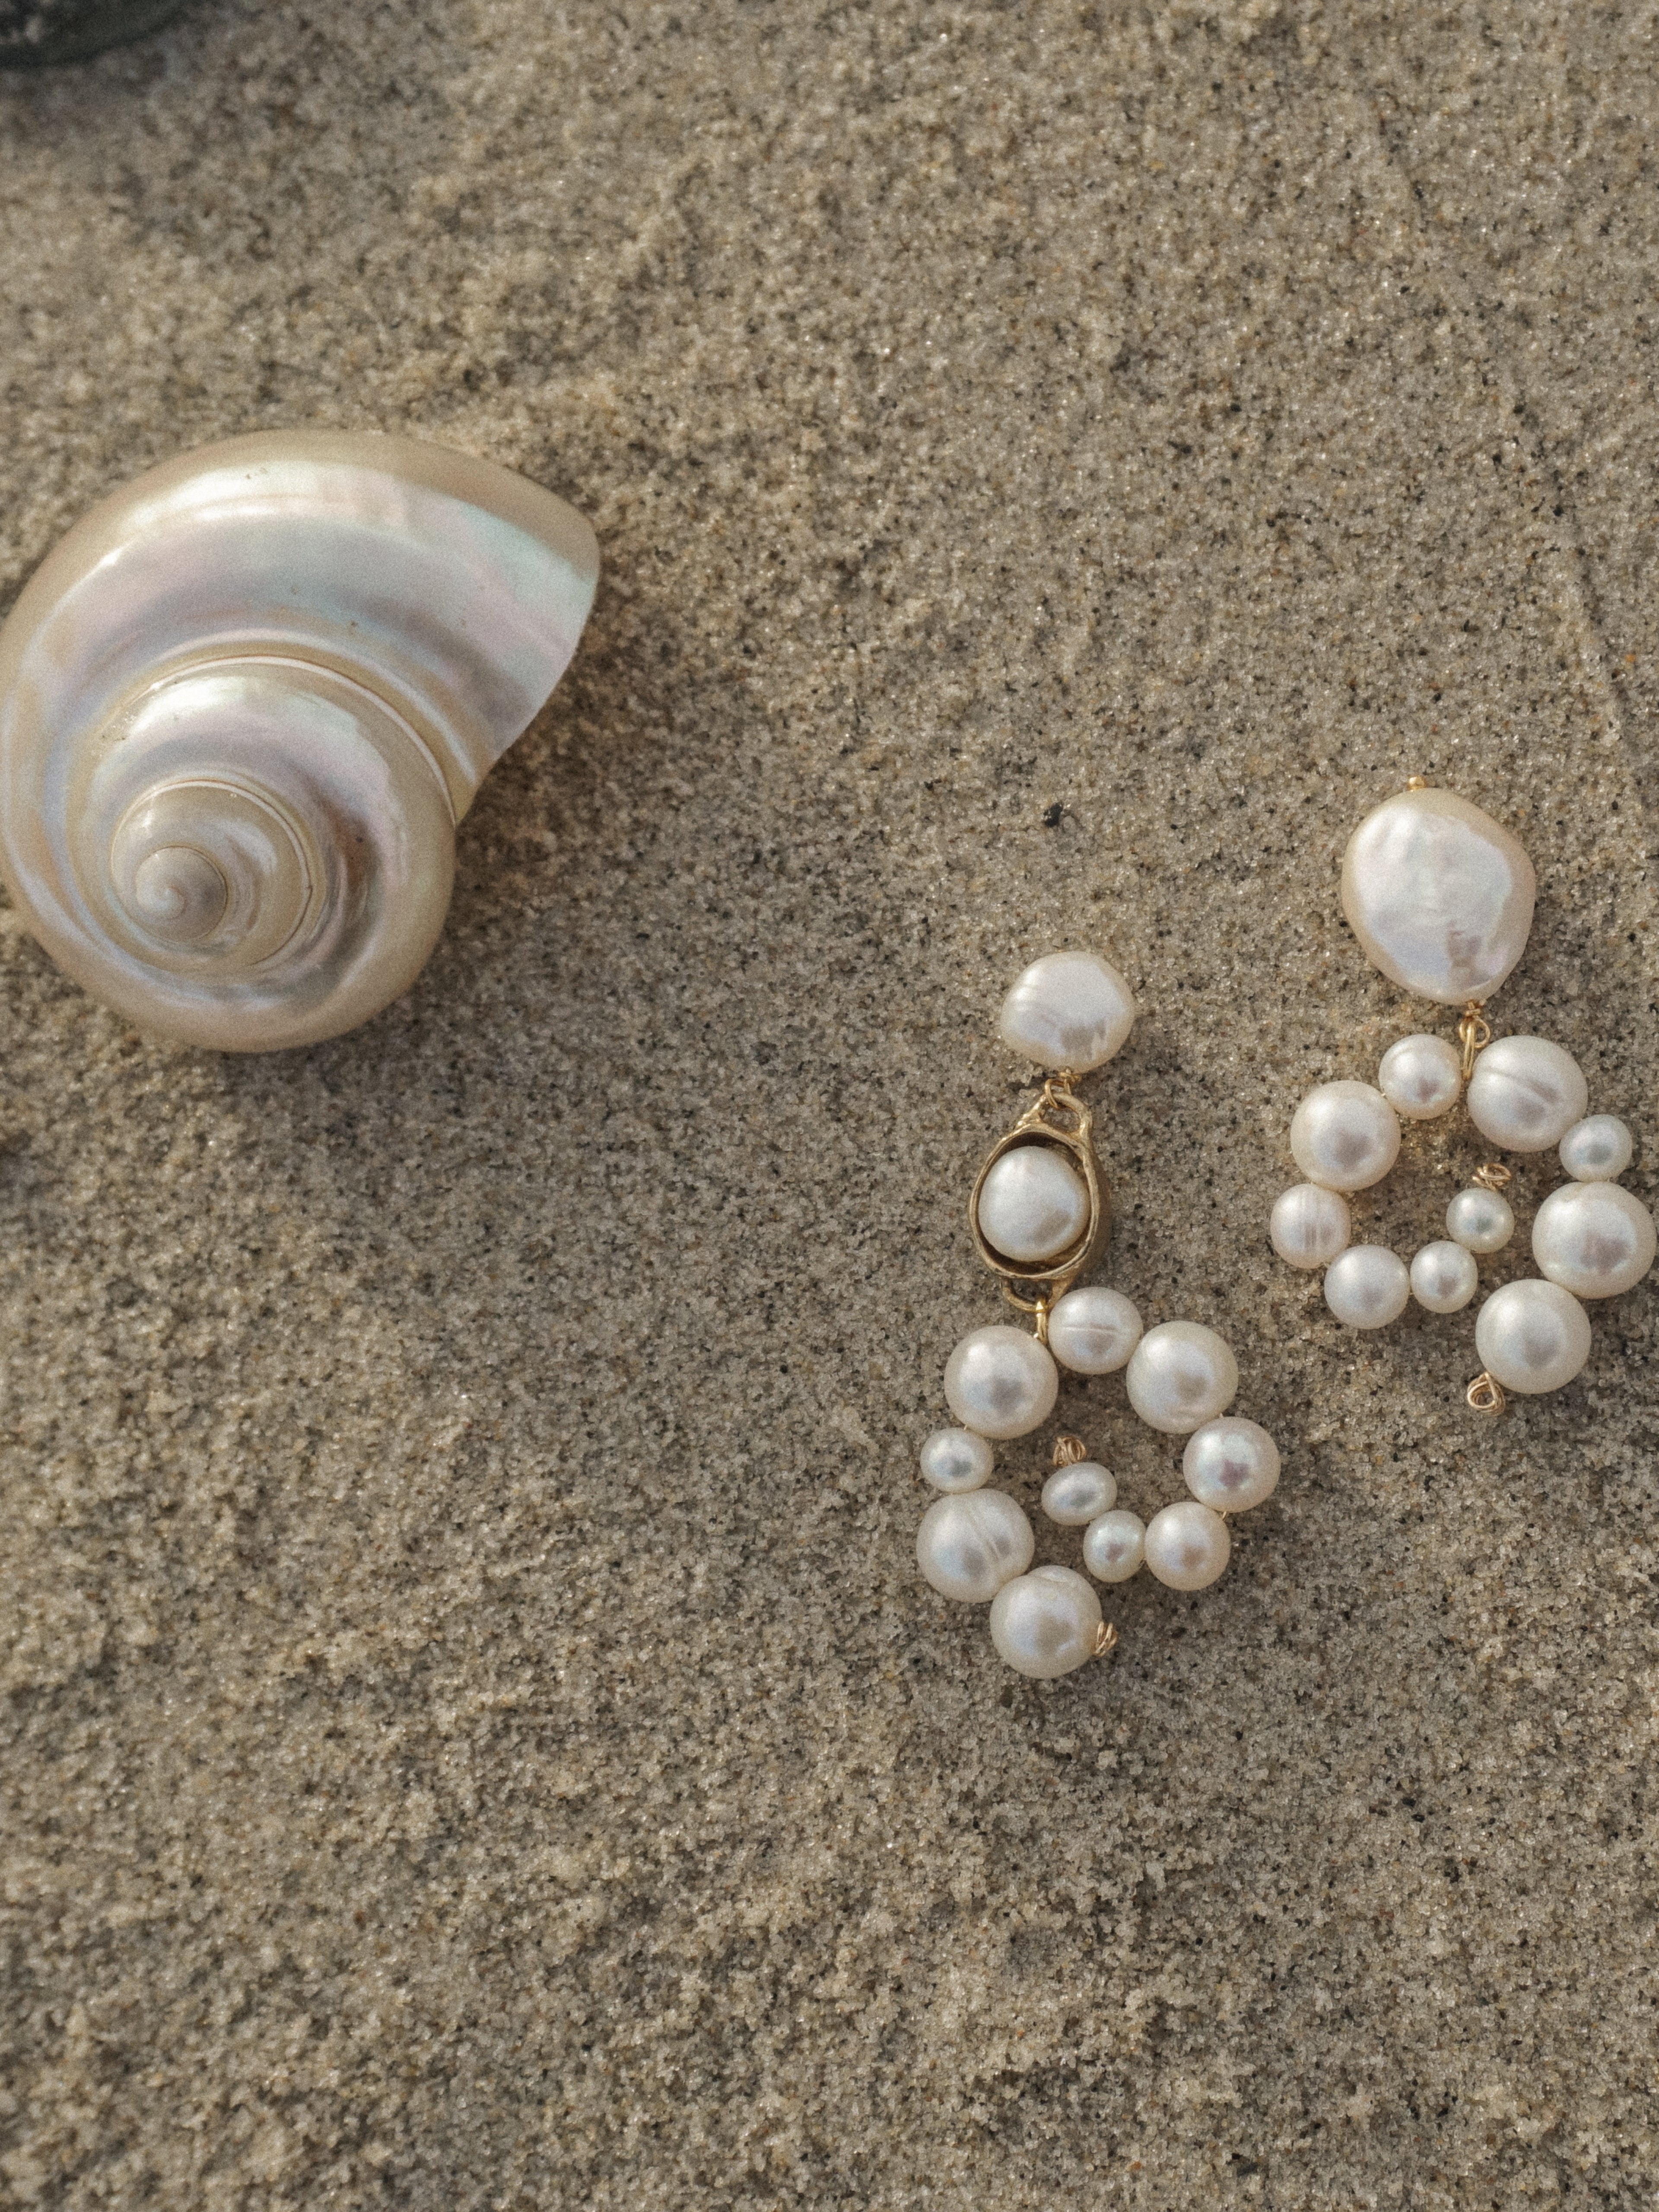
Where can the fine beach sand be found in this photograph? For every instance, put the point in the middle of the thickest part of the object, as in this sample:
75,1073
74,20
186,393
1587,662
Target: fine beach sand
476,1739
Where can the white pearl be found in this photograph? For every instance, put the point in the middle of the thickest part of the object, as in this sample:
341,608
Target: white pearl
1421,1076
969,1546
1113,1547
1230,1464
1033,1203
1444,1277
1481,1219
1367,1286
1073,1496
1187,1545
1526,1093
1595,1239
1597,1149
1181,1374
957,1460
1345,1135
1439,896
1000,1383
1093,1332
1532,1336
1069,1010
1046,1623
1309,1225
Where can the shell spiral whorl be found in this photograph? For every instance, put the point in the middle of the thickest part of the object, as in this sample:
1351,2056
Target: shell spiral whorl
242,708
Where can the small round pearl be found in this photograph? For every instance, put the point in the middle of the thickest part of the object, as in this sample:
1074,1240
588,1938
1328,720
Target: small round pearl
1069,1010
1309,1225
1526,1093
1345,1135
969,1546
1444,1277
1421,1076
1532,1336
1000,1383
1367,1286
1593,1238
1230,1464
957,1460
1113,1547
1482,1220
1181,1374
1046,1623
1033,1203
1438,893
1187,1545
1073,1496
1093,1332
1597,1149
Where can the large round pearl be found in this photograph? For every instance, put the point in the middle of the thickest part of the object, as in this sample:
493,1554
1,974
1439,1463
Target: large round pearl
957,1460
1033,1203
1181,1374
969,1546
1597,1149
1000,1383
1073,1496
1526,1093
1187,1545
1481,1219
1345,1135
1230,1464
1093,1332
1046,1623
1444,1277
1532,1336
1115,1545
1439,896
1421,1076
1593,1238
1069,1010
1367,1286
1309,1225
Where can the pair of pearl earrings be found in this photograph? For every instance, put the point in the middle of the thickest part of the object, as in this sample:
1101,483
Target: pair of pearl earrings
1039,1217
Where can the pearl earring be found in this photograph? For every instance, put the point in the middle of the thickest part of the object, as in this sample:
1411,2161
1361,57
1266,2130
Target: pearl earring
1039,1216
1440,897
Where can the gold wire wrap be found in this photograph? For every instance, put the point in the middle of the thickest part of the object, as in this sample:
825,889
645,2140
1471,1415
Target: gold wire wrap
1105,1639
1068,1450
1473,1034
1493,1175
1485,1395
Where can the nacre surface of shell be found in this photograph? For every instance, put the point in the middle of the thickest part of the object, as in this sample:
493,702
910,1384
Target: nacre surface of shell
1439,896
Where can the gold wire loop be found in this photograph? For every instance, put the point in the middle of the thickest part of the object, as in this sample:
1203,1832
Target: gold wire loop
1058,1118
1417,783
1473,1034
1105,1639
1485,1395
1493,1175
1069,1451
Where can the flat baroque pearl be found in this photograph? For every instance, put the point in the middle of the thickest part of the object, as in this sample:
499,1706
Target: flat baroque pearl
1069,1010
969,1546
1181,1375
1595,1239
1093,1331
1187,1545
1439,896
957,1460
1033,1203
1367,1286
1345,1136
1421,1076
1309,1225
1046,1623
1526,1093
1444,1277
1076,1495
1481,1219
1597,1149
1230,1464
1000,1383
1532,1336
1115,1545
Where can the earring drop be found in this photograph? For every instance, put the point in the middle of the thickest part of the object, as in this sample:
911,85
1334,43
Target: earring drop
1039,1214
1440,897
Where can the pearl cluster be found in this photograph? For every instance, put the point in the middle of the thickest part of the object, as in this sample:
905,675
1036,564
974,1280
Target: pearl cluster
1070,1012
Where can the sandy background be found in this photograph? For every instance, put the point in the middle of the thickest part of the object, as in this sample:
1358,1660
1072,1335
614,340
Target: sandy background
475,1735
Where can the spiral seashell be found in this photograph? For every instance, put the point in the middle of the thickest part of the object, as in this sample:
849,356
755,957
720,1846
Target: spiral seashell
245,702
